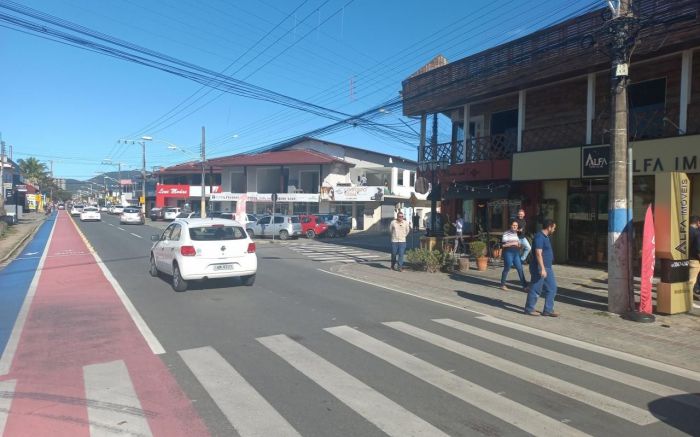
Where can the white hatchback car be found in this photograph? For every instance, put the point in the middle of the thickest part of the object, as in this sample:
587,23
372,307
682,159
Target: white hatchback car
197,249
90,213
132,215
171,213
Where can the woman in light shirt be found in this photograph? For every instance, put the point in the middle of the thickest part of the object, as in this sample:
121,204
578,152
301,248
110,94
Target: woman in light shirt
511,255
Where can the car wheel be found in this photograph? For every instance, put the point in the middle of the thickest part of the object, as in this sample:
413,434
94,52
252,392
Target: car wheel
310,234
284,235
248,280
250,232
179,284
153,270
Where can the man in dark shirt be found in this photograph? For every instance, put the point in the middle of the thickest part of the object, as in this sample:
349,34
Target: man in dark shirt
522,227
541,272
694,258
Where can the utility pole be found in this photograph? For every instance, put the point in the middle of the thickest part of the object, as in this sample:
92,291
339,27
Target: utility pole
2,180
51,183
203,202
620,225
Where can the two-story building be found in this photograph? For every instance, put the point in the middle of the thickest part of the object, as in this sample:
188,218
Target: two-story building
537,111
308,176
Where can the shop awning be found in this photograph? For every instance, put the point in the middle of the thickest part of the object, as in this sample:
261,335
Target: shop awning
477,190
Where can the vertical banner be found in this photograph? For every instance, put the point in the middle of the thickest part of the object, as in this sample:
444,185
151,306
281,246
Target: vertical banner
672,208
241,209
648,260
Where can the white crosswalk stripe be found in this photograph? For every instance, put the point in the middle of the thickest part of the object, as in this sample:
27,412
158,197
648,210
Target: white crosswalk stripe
373,406
577,363
520,416
109,384
330,253
247,411
7,393
565,388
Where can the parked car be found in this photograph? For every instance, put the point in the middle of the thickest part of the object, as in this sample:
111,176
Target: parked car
189,214
284,227
339,225
196,249
90,213
313,226
104,208
76,209
117,209
156,214
132,215
171,213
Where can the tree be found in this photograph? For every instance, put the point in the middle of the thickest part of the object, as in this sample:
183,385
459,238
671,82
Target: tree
33,170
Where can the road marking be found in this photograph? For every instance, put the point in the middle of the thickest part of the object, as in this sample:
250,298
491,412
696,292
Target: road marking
342,260
146,332
135,235
384,413
371,256
248,412
11,347
7,393
112,402
518,415
121,229
110,224
577,363
596,400
656,365
396,290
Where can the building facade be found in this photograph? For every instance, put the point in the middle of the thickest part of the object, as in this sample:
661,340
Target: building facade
537,117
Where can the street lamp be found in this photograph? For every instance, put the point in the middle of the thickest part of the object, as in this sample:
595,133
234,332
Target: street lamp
433,166
202,205
108,161
142,142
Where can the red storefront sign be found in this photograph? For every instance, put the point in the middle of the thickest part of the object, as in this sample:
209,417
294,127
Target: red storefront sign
176,191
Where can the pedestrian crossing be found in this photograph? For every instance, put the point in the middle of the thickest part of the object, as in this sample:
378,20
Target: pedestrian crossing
333,253
570,406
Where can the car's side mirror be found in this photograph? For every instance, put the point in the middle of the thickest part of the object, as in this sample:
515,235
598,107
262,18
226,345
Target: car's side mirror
155,237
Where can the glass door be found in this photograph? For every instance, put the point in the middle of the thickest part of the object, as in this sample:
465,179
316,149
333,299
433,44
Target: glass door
588,227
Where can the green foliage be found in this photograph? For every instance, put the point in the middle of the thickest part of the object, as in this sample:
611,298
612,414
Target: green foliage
477,248
430,260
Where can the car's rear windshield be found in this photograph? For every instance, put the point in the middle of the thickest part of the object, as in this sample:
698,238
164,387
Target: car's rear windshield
89,209
217,233
132,210
171,210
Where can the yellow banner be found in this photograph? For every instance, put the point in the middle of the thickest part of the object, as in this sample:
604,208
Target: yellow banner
671,214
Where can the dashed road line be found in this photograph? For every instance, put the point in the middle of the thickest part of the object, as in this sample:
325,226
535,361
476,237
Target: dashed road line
135,235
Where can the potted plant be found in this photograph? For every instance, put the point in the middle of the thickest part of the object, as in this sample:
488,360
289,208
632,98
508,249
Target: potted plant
478,250
496,249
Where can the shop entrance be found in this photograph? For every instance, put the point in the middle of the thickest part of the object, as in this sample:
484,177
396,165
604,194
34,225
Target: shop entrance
588,225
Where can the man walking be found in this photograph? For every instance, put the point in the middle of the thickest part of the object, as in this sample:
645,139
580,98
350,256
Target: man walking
399,229
459,229
694,258
541,272
522,227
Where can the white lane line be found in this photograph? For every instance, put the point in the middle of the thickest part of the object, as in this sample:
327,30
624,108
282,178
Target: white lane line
110,224
247,411
112,403
656,365
384,413
135,235
121,229
596,400
143,328
576,363
7,393
339,261
518,415
371,256
396,290
11,347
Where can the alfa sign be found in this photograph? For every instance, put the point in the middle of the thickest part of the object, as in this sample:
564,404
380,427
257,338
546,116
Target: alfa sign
595,161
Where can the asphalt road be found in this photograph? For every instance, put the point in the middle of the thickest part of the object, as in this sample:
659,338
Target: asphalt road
313,354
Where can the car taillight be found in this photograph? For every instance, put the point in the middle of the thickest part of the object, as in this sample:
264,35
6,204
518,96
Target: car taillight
251,248
187,251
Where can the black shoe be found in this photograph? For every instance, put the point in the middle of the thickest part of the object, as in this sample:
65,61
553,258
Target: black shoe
393,267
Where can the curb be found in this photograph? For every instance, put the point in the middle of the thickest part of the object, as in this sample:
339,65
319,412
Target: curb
21,242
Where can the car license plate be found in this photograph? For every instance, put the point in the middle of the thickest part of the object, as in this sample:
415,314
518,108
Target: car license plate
219,267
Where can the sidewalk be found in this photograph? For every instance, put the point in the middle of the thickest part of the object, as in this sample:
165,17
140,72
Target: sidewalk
17,235
581,301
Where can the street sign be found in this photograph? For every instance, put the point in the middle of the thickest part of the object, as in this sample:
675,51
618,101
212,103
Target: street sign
7,185
21,188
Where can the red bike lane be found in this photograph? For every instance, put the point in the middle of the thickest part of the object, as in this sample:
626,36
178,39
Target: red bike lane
82,367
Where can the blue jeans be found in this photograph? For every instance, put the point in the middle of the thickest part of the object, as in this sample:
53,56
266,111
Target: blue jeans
397,251
537,284
526,248
511,258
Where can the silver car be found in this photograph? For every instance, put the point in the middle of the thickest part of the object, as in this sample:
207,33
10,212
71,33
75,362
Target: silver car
132,215
284,227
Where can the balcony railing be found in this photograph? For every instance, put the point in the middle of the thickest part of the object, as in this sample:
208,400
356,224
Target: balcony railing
486,148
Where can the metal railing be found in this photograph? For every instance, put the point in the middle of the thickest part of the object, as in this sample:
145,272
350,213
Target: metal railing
486,148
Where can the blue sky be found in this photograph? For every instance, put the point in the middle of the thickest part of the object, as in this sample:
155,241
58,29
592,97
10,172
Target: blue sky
70,105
